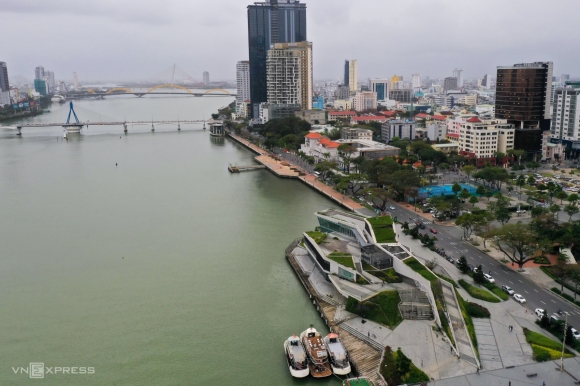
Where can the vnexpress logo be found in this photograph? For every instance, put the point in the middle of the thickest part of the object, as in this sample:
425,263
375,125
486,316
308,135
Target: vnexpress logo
39,370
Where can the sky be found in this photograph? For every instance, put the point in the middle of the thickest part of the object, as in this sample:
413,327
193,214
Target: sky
143,39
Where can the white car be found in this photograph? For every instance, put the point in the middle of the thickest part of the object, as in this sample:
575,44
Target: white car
519,298
540,312
575,333
489,278
391,207
521,211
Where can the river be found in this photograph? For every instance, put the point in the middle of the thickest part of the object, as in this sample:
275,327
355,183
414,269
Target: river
142,257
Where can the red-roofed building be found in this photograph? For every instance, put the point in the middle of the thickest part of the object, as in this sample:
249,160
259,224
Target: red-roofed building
439,117
473,120
367,119
313,135
341,115
388,114
422,116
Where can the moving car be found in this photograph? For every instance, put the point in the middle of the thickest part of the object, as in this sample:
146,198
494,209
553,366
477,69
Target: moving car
540,312
391,207
554,318
519,298
507,290
489,278
575,333
433,230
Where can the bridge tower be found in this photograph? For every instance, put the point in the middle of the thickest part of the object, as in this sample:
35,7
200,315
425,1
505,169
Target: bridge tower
73,127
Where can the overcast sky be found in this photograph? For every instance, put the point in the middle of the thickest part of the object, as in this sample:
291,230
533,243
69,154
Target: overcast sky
142,39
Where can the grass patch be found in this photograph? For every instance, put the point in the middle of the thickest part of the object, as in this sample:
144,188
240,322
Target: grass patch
361,280
318,237
383,229
416,266
496,290
468,321
449,280
396,368
342,259
382,308
545,348
478,293
541,260
389,275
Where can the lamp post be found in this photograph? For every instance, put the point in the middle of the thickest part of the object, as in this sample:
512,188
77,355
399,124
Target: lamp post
564,343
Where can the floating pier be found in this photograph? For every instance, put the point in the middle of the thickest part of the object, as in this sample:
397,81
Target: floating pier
239,169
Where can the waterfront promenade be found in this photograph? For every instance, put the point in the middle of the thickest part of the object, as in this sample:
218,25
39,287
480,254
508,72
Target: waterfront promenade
284,169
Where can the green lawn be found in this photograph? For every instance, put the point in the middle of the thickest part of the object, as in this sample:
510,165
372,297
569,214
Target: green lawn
342,259
382,308
496,290
478,293
420,268
318,237
545,348
415,375
383,229
389,275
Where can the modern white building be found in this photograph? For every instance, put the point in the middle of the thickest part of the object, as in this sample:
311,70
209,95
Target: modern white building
488,110
351,74
416,81
289,74
356,133
401,128
381,87
483,138
243,87
365,100
206,78
436,131
565,125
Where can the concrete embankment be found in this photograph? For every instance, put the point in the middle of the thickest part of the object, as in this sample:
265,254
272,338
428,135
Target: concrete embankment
285,169
365,359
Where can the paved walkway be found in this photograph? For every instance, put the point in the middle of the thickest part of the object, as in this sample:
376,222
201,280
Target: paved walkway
487,346
329,192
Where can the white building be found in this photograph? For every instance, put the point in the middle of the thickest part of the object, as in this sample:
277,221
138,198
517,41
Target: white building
458,73
488,110
243,87
565,125
401,128
483,138
289,74
206,78
381,87
356,133
365,100
416,81
264,111
343,104
436,131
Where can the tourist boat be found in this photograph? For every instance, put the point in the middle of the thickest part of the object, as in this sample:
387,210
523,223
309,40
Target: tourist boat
296,357
339,361
216,129
316,351
358,381
58,98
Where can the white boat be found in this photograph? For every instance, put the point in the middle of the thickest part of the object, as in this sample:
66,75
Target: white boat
58,98
339,361
316,351
296,357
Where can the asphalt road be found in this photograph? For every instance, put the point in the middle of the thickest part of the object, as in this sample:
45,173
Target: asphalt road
449,238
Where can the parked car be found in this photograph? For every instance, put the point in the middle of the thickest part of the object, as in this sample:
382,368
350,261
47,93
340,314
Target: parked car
521,211
421,225
540,312
554,318
489,278
433,230
575,333
519,298
471,267
391,207
507,290
450,259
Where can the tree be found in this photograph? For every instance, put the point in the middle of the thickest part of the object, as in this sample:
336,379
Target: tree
561,195
403,363
575,278
462,264
531,180
432,264
517,153
473,200
456,188
478,275
516,241
554,209
345,152
468,222
326,169
533,165
468,169
353,183
464,195
562,272
571,210
378,196
573,198
480,190
499,208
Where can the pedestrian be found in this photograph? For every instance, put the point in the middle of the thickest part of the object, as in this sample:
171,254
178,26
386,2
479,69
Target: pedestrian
510,383
543,383
369,334
451,349
421,362
526,310
489,273
478,372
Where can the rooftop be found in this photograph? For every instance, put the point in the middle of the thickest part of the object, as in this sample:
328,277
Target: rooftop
348,112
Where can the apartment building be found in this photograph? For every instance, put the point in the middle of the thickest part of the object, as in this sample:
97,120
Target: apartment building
483,138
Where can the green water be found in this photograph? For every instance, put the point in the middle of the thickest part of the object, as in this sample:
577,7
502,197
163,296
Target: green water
163,270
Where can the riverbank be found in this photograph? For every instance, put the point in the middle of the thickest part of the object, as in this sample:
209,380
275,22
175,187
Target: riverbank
285,169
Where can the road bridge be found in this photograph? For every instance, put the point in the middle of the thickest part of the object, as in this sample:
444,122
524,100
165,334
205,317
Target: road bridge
214,92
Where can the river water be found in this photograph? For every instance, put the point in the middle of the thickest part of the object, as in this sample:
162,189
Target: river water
163,270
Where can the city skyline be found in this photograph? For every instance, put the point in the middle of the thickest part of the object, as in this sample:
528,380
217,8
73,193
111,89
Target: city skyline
106,48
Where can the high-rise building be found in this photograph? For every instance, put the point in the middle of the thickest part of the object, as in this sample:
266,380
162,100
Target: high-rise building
486,81
564,78
50,81
243,87
381,87
75,81
40,86
416,81
206,78
289,74
450,83
522,96
39,72
395,78
342,92
351,74
401,95
4,83
270,22
565,126
365,100
458,73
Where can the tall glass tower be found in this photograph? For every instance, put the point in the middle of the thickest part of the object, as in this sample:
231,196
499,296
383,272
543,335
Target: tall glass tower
270,22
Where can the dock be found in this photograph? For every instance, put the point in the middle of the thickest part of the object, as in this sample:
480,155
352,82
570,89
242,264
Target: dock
239,169
365,359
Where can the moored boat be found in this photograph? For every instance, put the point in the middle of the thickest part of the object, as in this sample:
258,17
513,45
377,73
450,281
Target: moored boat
316,351
296,357
358,381
337,354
